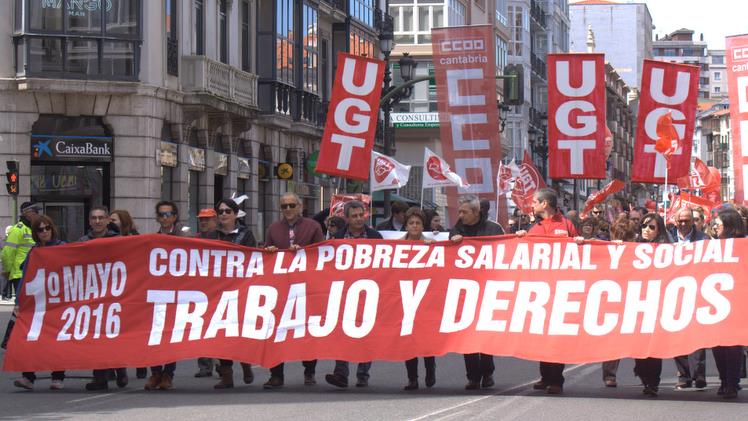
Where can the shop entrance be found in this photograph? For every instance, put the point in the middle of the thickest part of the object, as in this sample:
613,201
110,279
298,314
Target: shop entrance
70,170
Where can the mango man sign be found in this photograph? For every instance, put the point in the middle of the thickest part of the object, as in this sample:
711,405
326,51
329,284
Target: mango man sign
144,300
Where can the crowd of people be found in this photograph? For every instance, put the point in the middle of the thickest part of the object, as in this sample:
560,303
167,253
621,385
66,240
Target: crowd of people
293,231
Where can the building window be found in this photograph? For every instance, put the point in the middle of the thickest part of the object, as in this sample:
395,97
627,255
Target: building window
516,22
457,12
501,12
246,38
415,18
501,55
361,44
718,59
172,53
223,24
78,40
311,49
362,10
285,41
717,75
717,89
199,27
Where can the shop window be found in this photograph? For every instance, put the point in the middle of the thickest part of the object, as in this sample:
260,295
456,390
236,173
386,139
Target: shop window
78,40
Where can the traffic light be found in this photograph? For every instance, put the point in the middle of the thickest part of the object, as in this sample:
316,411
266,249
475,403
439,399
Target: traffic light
12,177
514,92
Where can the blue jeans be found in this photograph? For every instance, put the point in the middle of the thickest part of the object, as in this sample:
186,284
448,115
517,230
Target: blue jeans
362,371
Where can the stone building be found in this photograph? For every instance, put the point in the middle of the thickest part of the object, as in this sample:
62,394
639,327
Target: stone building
127,102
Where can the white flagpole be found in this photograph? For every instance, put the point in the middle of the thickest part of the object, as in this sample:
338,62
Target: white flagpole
666,196
422,189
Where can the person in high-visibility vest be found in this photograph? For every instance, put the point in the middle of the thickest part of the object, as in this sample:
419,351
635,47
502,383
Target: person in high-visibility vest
17,246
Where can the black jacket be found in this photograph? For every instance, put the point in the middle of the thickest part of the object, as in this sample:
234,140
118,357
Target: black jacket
483,228
89,237
241,235
388,225
370,233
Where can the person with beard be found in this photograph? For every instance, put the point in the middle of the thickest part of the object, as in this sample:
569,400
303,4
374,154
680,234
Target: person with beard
550,221
473,223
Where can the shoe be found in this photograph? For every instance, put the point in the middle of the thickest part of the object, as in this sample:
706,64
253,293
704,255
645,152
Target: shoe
730,393
336,380
309,380
141,373
97,385
153,381
122,378
611,382
430,379
24,383
471,385
700,384
650,391
681,385
56,385
541,385
362,383
274,382
487,382
226,374
111,374
249,376
412,385
554,389
204,373
721,391
166,382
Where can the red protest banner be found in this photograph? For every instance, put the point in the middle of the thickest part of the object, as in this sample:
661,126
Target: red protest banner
737,83
144,300
465,71
666,88
351,118
338,201
528,181
576,104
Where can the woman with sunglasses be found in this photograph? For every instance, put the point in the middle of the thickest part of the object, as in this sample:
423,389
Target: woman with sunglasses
415,221
45,234
229,229
652,230
729,224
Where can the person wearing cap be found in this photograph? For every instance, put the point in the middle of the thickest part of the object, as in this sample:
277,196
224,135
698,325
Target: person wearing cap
207,222
17,245
291,232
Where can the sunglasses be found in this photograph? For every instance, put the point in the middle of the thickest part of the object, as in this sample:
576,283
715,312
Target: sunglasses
166,214
684,222
597,212
288,205
650,226
225,211
43,229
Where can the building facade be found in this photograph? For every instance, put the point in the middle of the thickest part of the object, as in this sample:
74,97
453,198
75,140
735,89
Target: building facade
717,74
623,31
680,47
127,102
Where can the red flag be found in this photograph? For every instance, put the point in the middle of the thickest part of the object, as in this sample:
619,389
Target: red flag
665,88
527,183
686,200
698,178
667,137
337,203
712,191
736,52
576,104
599,196
345,149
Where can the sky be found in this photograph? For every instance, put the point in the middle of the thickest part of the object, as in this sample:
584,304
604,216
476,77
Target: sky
714,18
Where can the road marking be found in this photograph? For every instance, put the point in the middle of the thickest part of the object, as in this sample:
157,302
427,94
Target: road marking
89,398
482,398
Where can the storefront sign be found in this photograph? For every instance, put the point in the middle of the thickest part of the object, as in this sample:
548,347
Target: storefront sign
197,159
415,120
221,164
71,148
166,155
244,169
77,7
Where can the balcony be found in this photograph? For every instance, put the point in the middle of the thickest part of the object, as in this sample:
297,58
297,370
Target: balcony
286,104
539,67
207,77
537,14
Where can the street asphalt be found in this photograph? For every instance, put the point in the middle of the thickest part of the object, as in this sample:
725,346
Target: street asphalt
584,398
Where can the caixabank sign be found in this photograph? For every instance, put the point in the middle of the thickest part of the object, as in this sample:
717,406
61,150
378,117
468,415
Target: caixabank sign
71,148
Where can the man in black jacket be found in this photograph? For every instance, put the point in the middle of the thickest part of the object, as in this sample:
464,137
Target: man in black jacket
356,228
472,223
396,221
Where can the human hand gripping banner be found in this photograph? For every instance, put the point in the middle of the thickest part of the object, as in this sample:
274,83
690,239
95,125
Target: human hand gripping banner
144,300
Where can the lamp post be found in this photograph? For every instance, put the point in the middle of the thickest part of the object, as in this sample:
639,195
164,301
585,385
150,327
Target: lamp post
407,68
